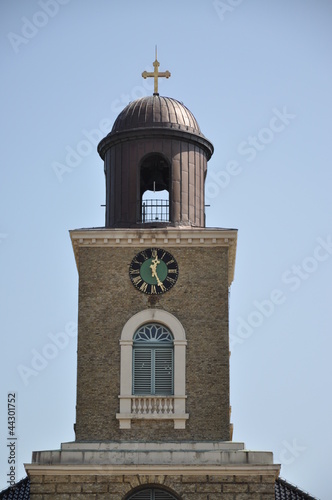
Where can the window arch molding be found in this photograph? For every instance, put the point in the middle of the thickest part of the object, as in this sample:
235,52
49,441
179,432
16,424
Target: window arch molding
153,316
128,412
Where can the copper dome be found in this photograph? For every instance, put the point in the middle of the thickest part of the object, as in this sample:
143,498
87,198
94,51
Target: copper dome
156,111
155,116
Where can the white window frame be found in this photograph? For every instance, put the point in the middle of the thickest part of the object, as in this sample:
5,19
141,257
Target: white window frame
178,412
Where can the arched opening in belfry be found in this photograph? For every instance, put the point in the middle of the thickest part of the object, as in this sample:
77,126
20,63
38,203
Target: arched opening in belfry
154,189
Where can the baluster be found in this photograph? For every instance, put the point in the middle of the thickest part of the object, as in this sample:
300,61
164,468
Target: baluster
139,405
149,405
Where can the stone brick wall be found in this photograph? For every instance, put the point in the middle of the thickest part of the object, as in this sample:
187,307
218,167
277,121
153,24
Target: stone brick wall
107,299
118,487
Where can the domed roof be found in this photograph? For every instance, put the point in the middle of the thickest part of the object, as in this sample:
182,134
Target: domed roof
155,116
156,111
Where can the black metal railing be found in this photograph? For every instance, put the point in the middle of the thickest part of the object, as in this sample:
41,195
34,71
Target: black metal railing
155,211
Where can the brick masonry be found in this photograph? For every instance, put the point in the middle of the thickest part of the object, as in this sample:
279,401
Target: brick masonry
186,487
107,299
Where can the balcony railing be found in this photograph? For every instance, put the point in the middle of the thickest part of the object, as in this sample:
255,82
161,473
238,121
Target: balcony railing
155,211
152,405
136,407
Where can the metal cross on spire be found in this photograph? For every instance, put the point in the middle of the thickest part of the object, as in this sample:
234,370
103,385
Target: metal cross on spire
155,74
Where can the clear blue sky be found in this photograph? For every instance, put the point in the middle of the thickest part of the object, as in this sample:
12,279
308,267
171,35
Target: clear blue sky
257,76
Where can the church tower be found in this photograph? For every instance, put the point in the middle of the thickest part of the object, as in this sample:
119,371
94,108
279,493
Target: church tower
153,408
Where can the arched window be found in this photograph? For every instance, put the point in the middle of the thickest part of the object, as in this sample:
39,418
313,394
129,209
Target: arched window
153,369
153,360
152,494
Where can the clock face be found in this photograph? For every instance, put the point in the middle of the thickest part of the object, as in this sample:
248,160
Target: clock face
153,271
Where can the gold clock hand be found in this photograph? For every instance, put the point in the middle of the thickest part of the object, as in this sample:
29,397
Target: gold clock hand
153,268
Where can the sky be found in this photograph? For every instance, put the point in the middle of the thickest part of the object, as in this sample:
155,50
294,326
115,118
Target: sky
257,76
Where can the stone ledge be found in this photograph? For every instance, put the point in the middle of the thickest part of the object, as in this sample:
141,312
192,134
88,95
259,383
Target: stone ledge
149,454
125,419
155,445
167,470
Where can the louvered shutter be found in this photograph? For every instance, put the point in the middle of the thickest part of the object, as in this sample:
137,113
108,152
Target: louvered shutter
152,494
163,371
142,371
142,495
162,495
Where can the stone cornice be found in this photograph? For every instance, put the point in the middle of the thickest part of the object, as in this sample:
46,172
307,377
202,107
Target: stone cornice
146,458
185,470
163,237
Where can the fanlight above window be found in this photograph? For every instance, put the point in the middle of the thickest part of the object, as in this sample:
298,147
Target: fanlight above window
153,332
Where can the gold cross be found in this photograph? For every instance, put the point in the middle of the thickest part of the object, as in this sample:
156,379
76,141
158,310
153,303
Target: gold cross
155,74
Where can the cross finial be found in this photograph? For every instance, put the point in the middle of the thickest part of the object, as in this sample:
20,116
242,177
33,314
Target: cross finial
155,74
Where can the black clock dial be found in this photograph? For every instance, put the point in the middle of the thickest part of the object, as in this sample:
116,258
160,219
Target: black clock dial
153,271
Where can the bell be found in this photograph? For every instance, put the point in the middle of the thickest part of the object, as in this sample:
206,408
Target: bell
158,182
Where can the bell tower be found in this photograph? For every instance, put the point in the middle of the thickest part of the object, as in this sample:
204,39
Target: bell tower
153,405
155,145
